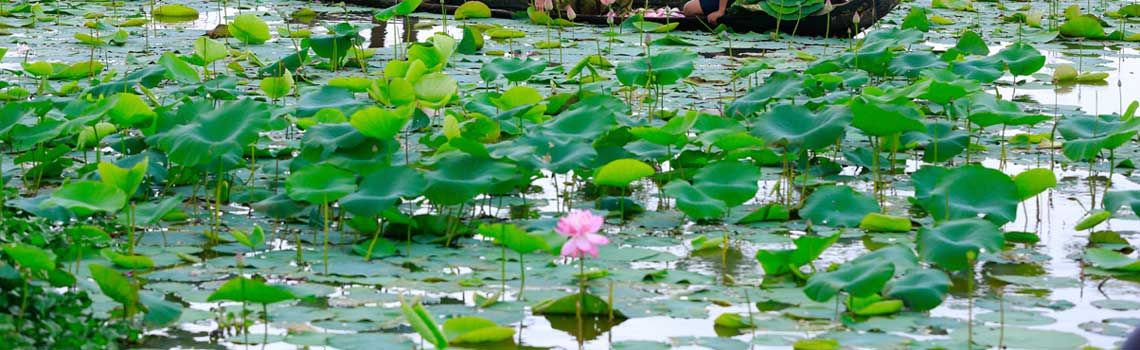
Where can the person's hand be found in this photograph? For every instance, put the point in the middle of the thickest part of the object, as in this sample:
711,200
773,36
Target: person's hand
713,17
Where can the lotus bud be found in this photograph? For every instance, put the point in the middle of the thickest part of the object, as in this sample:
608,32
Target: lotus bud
239,258
610,18
570,13
608,2
857,19
827,6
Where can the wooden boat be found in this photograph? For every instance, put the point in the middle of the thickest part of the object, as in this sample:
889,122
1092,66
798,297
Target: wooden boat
842,17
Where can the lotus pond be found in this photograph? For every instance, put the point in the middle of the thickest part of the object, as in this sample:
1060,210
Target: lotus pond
332,176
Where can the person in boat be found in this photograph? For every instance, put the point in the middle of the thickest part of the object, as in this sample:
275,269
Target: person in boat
712,10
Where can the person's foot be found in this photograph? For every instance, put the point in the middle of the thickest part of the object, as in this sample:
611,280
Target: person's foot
693,9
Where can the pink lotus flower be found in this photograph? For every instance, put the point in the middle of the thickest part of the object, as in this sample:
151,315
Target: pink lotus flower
570,13
582,227
610,17
22,49
543,5
607,2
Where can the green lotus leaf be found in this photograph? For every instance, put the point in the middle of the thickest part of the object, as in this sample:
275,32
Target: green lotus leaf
243,289
838,206
320,184
249,29
1116,199
475,330
29,256
85,198
1111,260
693,202
860,279
423,323
404,8
942,141
514,238
216,135
177,69
125,179
913,64
984,69
568,305
159,312
254,239
1084,26
731,182
1034,181
1022,59
210,50
881,118
472,9
875,222
622,172
1095,217
176,11
966,192
457,178
382,189
987,110
955,245
129,109
1086,136
808,248
515,70
797,125
277,87
660,69
115,286
379,123
436,89
777,86
921,289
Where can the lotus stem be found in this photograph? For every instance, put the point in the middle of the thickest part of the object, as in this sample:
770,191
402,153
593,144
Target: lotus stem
325,208
502,267
522,277
375,237
23,306
131,230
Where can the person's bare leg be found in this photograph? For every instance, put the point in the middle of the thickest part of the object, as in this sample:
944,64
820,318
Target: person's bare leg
693,9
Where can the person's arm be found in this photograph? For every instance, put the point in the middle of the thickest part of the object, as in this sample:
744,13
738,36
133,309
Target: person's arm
713,17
